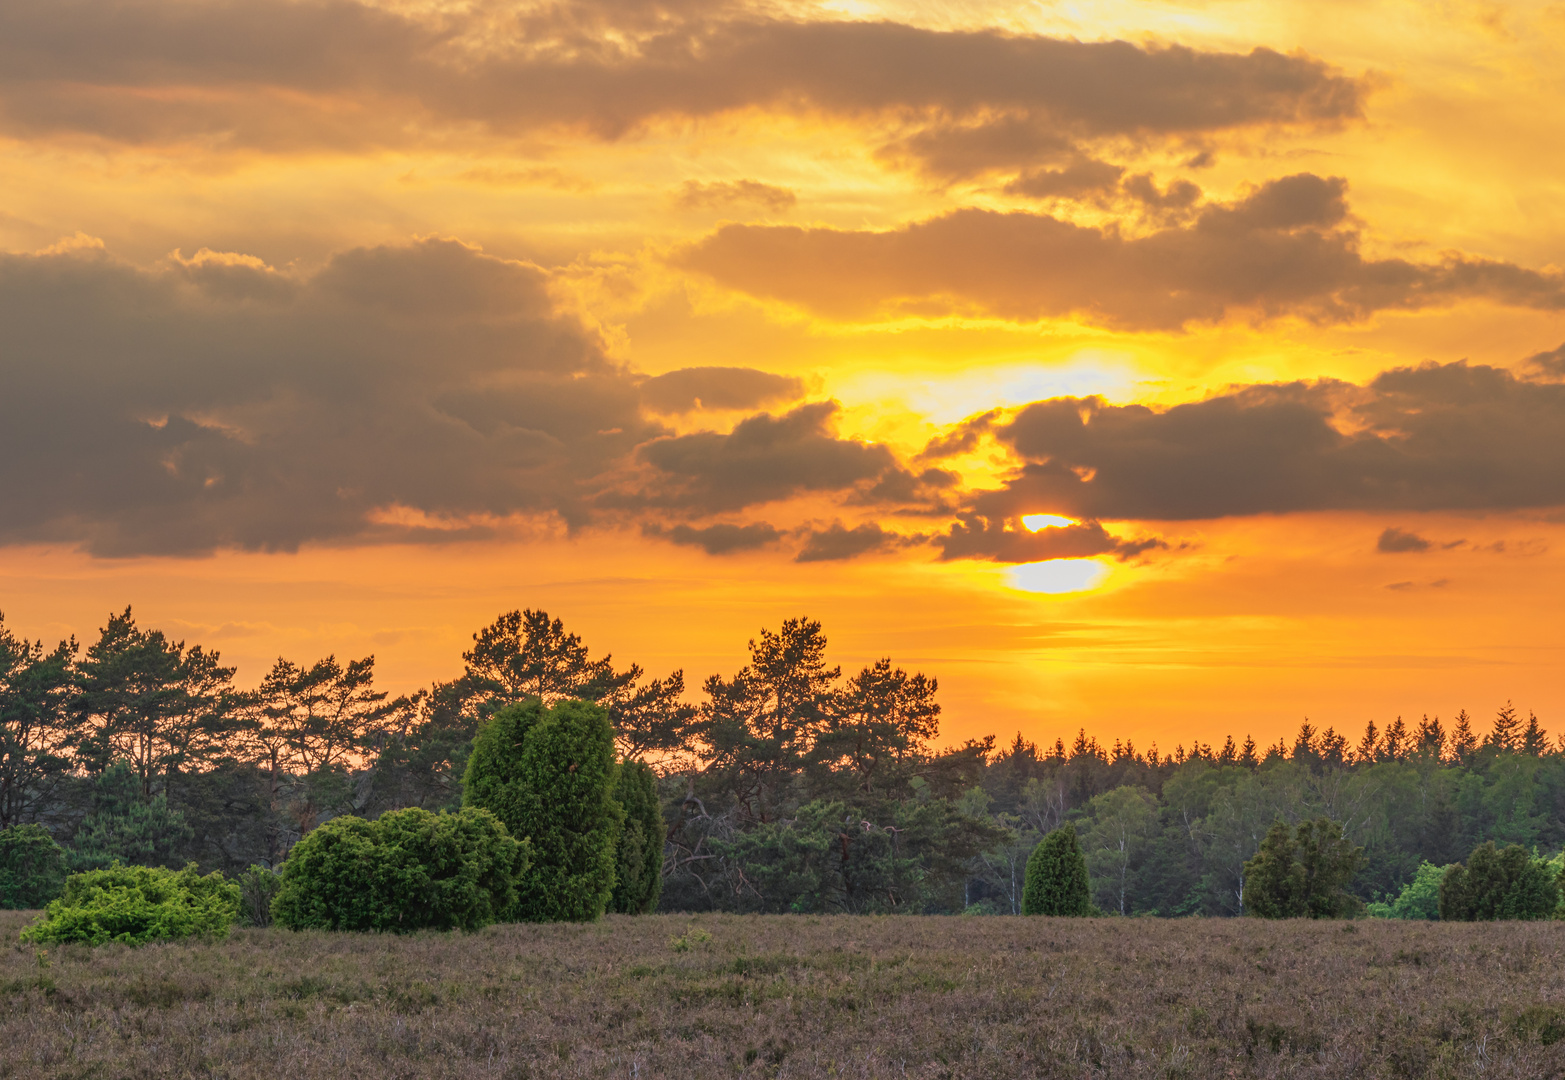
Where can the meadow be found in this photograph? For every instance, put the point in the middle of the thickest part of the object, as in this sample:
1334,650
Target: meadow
800,996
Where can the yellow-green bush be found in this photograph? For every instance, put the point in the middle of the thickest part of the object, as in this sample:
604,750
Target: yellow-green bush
137,904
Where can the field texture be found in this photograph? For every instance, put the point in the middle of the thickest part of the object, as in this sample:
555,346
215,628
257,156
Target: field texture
800,996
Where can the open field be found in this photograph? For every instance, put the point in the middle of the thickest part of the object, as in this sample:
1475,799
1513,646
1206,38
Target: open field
801,996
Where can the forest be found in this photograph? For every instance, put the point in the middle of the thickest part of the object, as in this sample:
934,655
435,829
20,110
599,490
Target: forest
788,786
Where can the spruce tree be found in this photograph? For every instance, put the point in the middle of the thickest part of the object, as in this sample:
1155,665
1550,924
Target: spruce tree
1506,734
1463,741
549,774
638,873
1056,882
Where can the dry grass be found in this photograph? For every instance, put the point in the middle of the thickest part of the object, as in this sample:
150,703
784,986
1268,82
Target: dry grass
801,997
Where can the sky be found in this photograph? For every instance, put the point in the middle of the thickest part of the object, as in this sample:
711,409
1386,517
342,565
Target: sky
1168,369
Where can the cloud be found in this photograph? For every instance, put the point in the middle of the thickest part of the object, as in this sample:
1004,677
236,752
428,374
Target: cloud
1395,541
1082,177
838,542
721,195
722,539
427,389
1283,250
976,537
764,458
1550,364
688,389
1435,437
276,74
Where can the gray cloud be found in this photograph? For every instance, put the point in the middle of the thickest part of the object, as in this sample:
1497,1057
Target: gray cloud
976,537
688,389
1430,438
763,459
212,402
1395,541
838,542
722,539
1080,178
1285,249
275,74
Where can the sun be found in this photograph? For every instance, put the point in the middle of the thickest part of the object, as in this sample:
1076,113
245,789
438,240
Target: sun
1034,522
1057,576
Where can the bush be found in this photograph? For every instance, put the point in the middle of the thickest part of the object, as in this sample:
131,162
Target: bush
1498,884
125,828
137,904
258,887
32,867
1419,899
1056,882
1303,873
638,869
407,870
549,775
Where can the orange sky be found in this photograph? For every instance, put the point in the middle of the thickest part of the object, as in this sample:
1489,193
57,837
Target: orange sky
344,327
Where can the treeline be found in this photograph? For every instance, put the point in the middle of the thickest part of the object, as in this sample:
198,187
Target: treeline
786,786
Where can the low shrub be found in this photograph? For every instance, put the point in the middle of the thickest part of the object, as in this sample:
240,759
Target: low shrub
258,887
32,867
407,870
1419,899
1498,883
137,904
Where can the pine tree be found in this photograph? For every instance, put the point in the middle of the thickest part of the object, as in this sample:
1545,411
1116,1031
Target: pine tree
1394,746
1463,741
1369,746
1506,734
1304,748
1535,741
1430,738
1056,882
1229,754
1247,754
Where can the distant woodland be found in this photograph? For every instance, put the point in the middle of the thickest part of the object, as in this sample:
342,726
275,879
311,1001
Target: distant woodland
788,785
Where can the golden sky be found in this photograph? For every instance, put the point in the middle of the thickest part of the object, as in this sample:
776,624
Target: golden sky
344,326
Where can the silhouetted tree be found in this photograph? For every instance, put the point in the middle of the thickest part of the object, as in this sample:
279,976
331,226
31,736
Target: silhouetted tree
37,730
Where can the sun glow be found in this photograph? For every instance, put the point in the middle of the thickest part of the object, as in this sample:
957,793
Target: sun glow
1035,522
1057,576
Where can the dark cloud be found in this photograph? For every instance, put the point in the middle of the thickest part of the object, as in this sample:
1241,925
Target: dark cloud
902,487
278,74
1285,249
720,539
721,195
1078,179
976,537
1396,541
1550,364
1437,437
840,542
213,402
764,458
718,388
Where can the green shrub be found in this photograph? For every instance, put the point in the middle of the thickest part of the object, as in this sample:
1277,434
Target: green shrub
407,870
549,773
1056,882
1419,899
258,887
32,867
1498,884
136,904
1303,873
123,827
638,870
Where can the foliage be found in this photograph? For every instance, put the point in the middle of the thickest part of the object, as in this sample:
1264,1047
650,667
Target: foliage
258,887
1302,873
37,729
127,827
32,867
137,904
1498,883
1057,877
638,861
407,870
1419,899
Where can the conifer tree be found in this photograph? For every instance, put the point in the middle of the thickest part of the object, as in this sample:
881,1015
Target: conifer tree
1534,741
1247,754
548,774
1394,745
1506,733
1498,884
638,874
1369,745
1056,882
1430,738
1302,873
1463,742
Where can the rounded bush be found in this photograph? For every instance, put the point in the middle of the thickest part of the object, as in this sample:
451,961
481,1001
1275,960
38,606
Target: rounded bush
137,904
549,774
32,867
407,870
1056,882
1498,883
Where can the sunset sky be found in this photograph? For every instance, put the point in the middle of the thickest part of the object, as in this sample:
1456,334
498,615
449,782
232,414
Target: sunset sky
342,327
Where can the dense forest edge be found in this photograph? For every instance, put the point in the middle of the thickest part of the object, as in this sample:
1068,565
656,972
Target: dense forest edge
787,787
